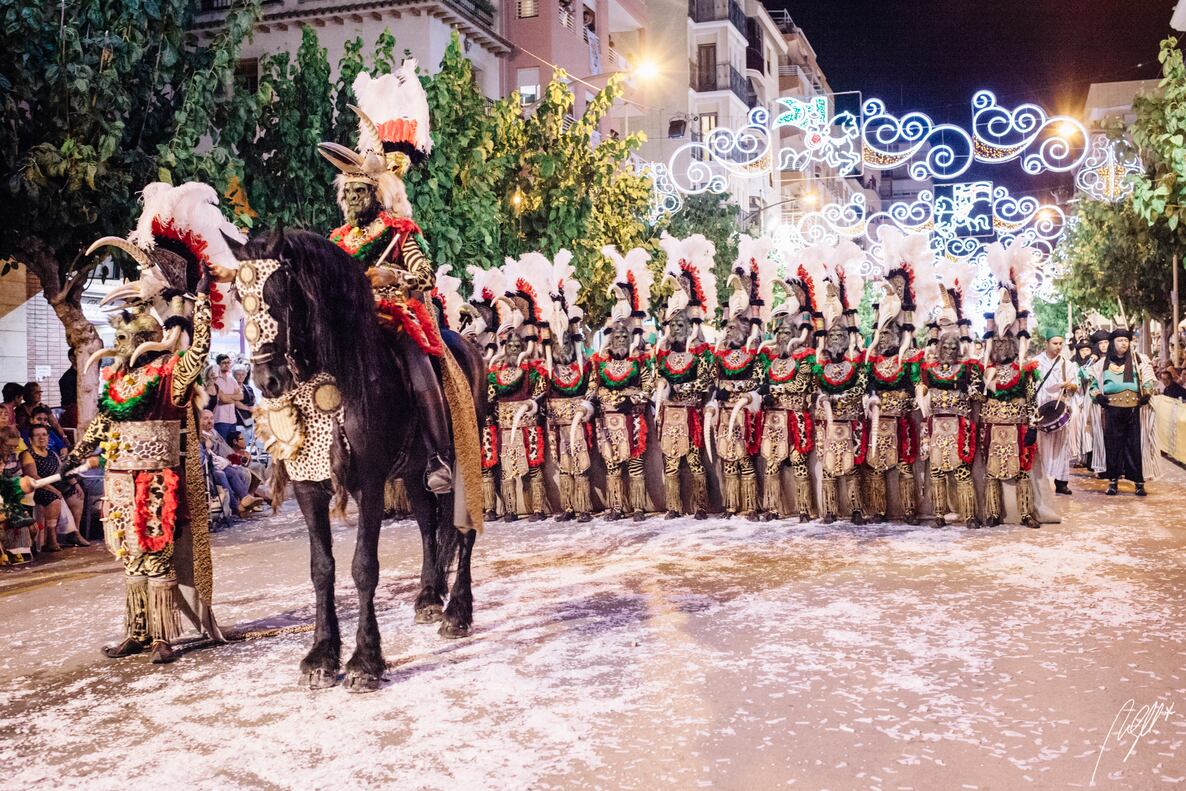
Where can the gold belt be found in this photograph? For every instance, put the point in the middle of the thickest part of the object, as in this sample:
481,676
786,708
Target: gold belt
144,445
1127,398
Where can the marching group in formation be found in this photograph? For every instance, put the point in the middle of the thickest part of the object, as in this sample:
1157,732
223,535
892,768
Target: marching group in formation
858,414
727,395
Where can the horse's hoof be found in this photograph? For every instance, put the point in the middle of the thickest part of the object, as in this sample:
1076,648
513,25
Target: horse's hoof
584,516
358,682
453,631
433,613
319,678
700,514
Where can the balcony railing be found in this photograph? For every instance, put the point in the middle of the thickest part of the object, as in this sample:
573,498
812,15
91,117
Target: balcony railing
755,60
225,5
718,77
481,10
717,11
782,20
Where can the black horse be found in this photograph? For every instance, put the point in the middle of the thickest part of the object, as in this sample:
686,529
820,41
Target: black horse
324,306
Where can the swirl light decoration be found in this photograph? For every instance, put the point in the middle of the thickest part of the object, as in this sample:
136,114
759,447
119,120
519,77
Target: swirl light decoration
665,198
1106,170
890,142
1002,135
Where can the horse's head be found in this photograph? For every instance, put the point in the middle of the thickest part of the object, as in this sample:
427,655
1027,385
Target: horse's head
309,310
272,307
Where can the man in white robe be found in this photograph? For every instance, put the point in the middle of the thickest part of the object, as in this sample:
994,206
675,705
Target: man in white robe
1059,379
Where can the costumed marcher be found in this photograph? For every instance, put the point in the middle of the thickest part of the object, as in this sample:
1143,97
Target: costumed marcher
734,414
951,382
480,319
481,316
379,233
155,515
894,367
684,368
1093,417
1059,383
788,431
516,385
570,433
1124,439
1078,440
1011,385
841,381
623,380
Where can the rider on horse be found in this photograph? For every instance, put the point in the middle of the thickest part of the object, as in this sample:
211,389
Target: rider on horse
380,234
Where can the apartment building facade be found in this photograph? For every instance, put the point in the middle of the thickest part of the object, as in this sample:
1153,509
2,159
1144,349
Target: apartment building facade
424,27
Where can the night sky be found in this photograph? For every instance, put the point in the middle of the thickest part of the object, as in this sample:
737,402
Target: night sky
932,56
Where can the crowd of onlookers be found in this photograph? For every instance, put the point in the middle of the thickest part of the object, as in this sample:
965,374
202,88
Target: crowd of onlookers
35,438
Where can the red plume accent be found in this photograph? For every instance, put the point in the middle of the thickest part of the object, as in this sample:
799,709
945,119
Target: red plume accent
694,276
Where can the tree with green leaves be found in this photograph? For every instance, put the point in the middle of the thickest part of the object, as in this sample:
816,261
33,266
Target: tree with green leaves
1115,259
715,216
94,108
1159,133
563,186
454,194
285,176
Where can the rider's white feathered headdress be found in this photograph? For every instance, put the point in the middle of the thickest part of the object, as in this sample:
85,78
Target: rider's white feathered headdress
393,133
447,295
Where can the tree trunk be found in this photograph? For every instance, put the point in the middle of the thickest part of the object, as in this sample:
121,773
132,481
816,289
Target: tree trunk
64,294
1145,343
85,341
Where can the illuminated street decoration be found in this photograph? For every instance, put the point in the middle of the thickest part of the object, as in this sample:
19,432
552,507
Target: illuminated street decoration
665,198
821,143
965,207
1105,172
891,142
877,140
1002,135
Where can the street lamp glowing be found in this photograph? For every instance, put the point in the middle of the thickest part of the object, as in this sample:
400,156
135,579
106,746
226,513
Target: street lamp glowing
646,71
810,199
1067,129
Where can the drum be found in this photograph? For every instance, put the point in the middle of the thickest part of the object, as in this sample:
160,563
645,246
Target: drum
1053,415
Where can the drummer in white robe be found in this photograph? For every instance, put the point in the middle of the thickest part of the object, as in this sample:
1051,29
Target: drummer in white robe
1060,380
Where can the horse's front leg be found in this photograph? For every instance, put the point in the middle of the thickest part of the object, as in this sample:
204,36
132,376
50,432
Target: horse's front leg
319,668
365,669
430,603
459,615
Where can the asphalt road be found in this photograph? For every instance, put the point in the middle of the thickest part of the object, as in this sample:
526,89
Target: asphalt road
681,654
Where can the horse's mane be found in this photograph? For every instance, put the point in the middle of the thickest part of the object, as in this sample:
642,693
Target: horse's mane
339,309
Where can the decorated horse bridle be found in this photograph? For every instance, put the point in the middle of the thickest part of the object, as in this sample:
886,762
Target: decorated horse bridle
298,426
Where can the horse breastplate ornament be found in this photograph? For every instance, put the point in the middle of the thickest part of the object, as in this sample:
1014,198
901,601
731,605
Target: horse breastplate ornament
298,428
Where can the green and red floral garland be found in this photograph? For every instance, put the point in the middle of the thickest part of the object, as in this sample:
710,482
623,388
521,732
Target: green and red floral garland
1015,388
133,406
373,243
834,385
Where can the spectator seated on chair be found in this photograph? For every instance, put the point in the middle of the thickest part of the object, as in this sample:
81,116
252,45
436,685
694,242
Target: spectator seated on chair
41,415
235,479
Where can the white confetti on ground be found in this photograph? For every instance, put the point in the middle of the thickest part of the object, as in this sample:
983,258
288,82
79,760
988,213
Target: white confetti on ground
675,654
